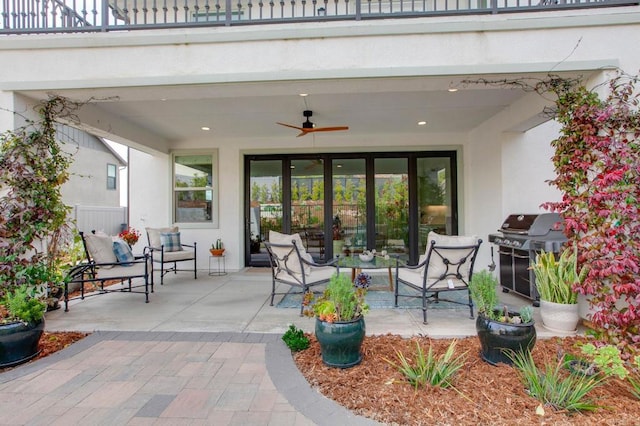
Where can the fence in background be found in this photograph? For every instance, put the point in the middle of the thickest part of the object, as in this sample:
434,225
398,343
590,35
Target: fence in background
109,220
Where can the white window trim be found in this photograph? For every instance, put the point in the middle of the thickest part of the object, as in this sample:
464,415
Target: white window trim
215,193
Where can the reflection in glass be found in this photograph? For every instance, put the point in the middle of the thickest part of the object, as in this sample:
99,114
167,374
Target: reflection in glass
392,205
307,204
434,198
349,208
193,179
265,203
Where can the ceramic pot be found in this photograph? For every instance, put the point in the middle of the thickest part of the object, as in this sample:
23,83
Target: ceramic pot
340,342
559,317
498,338
19,342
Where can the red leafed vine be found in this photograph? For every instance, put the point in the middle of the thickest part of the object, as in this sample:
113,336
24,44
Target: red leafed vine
597,162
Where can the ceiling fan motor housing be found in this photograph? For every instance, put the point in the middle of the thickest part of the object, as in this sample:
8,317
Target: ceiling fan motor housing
307,124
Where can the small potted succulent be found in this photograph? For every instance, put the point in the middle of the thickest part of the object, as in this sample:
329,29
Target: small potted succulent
217,248
339,314
500,330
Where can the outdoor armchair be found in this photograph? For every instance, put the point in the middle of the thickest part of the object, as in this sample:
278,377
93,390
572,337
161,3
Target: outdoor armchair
293,266
103,266
167,249
447,266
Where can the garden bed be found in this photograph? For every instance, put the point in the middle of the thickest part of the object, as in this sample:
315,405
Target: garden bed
483,394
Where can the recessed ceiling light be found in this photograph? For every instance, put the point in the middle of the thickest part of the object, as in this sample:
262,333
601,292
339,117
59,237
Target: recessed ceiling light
422,123
292,167
339,166
304,94
452,89
205,128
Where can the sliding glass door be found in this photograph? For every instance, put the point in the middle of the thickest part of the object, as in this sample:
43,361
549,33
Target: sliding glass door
341,203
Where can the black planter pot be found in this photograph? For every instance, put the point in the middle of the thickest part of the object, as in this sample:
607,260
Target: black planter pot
340,342
19,342
498,338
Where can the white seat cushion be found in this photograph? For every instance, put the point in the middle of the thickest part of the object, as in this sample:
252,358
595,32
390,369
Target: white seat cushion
318,274
174,255
135,270
436,266
100,248
293,263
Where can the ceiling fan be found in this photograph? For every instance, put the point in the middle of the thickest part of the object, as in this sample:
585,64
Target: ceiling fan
309,127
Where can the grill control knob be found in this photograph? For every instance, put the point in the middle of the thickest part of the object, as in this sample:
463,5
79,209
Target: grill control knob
517,243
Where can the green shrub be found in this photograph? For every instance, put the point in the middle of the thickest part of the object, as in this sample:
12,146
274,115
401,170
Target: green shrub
429,369
295,339
554,387
23,307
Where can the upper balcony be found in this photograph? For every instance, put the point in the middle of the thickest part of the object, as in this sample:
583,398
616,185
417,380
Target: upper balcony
64,16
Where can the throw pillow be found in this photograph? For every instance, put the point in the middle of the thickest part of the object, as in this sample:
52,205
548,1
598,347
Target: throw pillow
153,235
100,248
170,241
123,253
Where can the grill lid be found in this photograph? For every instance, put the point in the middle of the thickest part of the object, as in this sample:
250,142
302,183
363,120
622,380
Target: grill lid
533,224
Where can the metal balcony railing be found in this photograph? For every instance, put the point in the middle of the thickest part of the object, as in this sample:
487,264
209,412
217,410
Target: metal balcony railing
57,16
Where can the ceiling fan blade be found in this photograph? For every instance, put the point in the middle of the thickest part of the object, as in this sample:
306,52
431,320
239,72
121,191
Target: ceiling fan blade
292,126
328,129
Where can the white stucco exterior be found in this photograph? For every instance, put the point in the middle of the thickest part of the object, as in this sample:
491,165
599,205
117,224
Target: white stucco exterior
501,170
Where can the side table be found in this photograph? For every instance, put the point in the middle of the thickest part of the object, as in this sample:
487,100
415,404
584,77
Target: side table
219,268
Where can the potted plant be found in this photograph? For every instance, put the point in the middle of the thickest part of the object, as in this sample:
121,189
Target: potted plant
337,233
130,236
217,248
555,279
33,228
499,330
340,326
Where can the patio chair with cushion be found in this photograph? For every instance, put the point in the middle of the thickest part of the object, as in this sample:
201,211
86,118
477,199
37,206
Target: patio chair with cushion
293,266
109,260
168,249
446,266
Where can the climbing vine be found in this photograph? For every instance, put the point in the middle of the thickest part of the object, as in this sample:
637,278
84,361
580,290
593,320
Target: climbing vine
597,163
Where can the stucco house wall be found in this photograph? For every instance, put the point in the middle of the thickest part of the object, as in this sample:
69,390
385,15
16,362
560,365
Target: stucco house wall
502,167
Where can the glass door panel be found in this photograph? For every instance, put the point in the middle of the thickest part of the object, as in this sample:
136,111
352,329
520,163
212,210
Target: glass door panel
307,204
434,198
349,207
392,205
265,205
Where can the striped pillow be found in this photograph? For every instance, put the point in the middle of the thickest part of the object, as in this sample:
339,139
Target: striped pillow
171,241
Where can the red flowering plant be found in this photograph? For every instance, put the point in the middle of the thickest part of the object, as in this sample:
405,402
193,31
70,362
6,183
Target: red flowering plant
130,236
597,162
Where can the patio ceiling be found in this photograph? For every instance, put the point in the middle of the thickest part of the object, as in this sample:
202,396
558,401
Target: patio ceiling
390,106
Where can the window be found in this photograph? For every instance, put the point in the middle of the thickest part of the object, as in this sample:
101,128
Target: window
195,188
112,173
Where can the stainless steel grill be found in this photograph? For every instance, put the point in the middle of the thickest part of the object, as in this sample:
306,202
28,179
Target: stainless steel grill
520,238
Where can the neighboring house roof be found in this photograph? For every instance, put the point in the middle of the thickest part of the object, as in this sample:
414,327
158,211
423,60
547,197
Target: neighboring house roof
82,139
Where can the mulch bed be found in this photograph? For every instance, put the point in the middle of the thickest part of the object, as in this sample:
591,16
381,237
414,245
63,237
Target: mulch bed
483,394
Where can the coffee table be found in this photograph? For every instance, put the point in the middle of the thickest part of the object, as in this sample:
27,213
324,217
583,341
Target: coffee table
358,265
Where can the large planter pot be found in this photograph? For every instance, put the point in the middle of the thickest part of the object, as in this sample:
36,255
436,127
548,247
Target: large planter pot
19,342
340,342
559,317
498,338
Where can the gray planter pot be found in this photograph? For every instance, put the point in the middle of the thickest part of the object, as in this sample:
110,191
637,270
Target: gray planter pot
559,317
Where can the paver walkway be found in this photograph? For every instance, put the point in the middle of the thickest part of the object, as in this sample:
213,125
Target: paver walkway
167,378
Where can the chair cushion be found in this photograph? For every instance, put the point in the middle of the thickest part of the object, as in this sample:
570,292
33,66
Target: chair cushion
153,235
123,253
292,264
135,270
100,249
174,256
170,241
436,267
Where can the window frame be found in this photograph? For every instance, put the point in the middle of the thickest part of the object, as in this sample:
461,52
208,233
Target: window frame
213,222
113,178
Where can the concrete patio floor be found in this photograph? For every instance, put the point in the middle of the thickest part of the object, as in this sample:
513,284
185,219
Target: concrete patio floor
202,352
239,302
